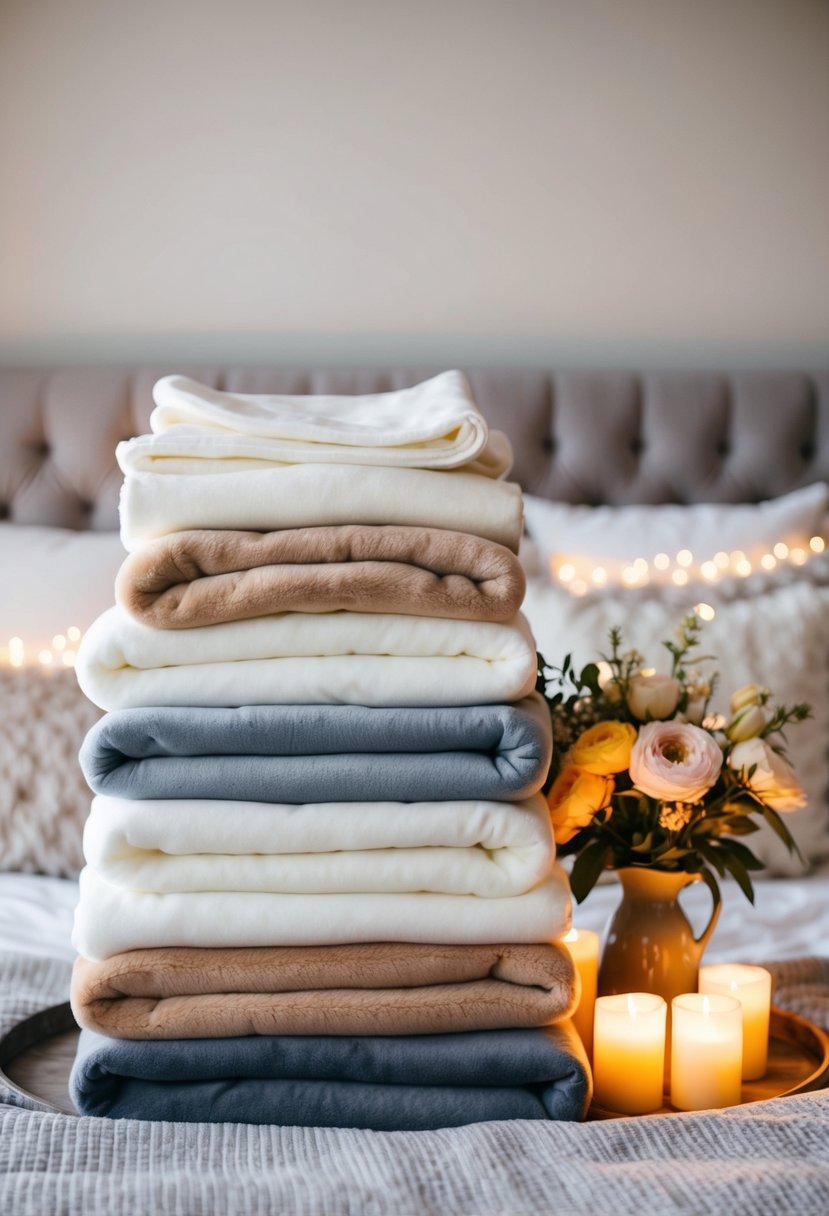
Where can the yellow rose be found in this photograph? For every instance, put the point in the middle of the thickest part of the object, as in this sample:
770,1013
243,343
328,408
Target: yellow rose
604,748
575,798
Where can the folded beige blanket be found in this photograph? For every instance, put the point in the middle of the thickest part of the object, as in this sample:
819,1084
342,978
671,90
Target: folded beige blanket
204,577
383,988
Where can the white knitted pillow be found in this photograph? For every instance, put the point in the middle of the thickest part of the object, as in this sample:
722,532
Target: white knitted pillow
44,800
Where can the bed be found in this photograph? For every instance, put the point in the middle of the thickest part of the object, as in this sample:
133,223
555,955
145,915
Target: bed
588,438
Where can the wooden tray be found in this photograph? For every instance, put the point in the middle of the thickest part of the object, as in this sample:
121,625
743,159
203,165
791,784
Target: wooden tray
36,1058
798,1062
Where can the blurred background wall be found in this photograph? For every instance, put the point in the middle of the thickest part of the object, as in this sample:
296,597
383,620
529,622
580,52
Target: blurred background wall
498,181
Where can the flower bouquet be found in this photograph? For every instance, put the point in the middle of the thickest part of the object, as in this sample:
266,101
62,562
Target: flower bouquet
644,775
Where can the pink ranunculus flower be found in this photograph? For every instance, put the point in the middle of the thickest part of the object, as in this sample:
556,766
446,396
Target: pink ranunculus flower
675,761
773,779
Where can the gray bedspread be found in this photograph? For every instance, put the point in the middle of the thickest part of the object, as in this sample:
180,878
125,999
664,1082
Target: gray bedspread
321,753
769,1157
383,1082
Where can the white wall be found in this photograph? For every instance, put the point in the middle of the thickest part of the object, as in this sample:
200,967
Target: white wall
582,181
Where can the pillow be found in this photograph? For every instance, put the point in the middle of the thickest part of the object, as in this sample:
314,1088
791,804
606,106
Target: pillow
55,583
54,579
44,800
614,536
778,637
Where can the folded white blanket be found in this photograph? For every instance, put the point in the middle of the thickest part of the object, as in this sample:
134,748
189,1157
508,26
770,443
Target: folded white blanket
488,849
306,495
109,919
295,658
433,425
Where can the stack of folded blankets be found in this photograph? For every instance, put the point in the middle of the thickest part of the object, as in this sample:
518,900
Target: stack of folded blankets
321,885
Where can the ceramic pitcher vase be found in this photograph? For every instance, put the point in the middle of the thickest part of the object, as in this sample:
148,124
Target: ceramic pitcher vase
649,944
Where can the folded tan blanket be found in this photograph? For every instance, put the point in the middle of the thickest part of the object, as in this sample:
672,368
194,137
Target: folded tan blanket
383,988
204,577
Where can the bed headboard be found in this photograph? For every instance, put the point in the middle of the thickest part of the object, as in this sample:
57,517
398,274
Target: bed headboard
578,436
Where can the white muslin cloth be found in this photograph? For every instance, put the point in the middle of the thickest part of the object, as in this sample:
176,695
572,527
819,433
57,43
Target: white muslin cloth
433,425
110,919
264,499
488,849
295,658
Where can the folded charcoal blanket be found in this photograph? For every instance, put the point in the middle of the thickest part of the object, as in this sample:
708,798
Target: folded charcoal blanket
110,919
366,988
433,425
389,1083
299,496
307,659
321,753
492,850
206,577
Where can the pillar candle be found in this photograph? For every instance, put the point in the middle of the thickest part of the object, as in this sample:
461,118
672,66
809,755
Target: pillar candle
752,988
584,950
706,1051
629,1052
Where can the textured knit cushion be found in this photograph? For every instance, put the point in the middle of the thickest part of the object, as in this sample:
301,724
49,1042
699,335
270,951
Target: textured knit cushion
44,799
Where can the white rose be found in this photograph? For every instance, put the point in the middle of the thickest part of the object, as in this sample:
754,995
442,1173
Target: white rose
749,694
674,761
654,697
773,779
746,723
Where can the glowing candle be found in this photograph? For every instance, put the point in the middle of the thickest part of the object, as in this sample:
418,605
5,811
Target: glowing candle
583,947
629,1052
706,1051
752,988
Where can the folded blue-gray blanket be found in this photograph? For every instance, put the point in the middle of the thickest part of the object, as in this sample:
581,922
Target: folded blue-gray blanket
395,1083
322,753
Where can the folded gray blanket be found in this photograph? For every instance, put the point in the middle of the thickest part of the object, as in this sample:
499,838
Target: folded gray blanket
394,1083
321,753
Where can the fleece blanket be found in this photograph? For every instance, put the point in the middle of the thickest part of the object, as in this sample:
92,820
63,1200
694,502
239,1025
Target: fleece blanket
297,658
205,577
432,425
367,988
387,1083
321,753
488,849
300,496
110,919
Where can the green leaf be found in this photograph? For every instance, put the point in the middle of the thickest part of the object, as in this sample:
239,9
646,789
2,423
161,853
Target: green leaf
587,868
740,873
590,678
779,828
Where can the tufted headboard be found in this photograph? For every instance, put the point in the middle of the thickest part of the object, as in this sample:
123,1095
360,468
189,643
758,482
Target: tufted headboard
578,436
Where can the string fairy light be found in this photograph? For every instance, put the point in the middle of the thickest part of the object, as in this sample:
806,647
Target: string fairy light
62,651
580,575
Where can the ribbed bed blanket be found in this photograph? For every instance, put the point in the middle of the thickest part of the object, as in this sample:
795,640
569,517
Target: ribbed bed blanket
111,919
432,425
368,988
300,496
307,659
321,753
766,1157
491,850
391,1083
205,577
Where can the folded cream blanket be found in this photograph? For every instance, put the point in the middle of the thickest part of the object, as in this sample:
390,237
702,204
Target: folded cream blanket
307,659
204,577
365,988
305,495
487,849
433,425
110,919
